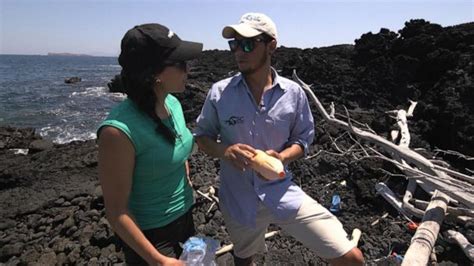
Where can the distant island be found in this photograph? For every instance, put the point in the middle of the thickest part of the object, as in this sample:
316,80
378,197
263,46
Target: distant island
67,54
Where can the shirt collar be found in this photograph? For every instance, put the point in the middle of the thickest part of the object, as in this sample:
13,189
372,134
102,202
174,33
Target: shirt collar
275,76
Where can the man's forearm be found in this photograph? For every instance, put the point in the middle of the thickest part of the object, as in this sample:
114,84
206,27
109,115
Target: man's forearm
214,149
211,147
291,153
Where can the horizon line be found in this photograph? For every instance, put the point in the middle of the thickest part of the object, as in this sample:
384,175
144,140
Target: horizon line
72,54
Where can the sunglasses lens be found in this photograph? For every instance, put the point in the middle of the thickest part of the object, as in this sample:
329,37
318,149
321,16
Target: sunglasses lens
233,45
247,45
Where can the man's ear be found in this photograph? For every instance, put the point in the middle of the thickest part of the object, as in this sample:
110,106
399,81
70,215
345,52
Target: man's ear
272,46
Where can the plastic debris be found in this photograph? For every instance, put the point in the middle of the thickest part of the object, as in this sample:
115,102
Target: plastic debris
335,204
199,251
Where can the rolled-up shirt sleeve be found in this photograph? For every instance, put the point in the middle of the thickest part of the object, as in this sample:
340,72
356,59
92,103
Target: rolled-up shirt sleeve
207,123
302,132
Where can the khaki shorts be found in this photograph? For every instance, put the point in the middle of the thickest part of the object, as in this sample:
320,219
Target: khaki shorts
314,226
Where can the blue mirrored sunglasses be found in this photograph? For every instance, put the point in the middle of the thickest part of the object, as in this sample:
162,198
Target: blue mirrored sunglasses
247,45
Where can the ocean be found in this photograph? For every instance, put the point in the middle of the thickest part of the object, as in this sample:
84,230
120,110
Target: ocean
33,94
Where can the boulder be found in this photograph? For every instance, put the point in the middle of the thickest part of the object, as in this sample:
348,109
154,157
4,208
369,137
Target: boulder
72,80
40,145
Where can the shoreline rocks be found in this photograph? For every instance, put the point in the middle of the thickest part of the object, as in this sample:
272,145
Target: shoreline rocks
72,80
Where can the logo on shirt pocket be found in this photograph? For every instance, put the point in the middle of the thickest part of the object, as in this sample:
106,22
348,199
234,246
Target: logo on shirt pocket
234,120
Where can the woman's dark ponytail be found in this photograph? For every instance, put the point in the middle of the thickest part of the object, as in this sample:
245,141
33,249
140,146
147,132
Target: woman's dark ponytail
139,87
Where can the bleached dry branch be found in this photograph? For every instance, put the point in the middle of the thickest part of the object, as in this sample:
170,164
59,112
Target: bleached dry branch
378,220
451,210
229,247
455,153
406,205
401,118
461,240
423,241
433,176
388,195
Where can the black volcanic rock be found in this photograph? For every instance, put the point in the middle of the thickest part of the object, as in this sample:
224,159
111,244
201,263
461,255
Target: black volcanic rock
423,64
40,145
17,138
72,80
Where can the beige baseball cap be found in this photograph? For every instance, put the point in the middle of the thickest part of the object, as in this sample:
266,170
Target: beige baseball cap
251,25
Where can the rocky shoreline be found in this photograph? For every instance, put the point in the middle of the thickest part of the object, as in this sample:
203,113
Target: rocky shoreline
51,202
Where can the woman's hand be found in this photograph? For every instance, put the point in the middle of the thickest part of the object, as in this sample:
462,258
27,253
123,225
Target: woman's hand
168,261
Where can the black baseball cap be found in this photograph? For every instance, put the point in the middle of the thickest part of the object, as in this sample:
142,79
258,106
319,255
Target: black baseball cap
153,44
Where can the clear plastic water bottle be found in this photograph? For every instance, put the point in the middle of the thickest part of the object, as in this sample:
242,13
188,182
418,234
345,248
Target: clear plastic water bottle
194,250
199,251
335,204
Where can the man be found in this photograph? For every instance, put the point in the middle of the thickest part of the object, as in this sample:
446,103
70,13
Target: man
257,109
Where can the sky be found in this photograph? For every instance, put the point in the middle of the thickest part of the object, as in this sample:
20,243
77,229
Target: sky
96,27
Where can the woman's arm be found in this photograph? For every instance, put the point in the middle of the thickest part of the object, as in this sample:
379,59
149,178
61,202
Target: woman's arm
187,173
116,164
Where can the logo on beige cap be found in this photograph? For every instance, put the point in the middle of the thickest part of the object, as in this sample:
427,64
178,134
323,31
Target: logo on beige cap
251,17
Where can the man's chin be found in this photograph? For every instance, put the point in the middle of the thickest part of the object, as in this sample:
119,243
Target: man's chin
245,70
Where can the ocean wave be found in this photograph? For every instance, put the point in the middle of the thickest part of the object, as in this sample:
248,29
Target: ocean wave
98,92
61,135
33,94
114,66
64,112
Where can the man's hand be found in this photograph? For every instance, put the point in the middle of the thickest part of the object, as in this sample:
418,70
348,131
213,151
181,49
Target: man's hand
274,154
239,155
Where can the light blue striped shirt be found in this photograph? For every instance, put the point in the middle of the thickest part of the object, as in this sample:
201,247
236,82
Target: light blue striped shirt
282,118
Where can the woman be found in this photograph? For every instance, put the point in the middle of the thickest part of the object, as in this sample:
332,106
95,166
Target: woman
143,148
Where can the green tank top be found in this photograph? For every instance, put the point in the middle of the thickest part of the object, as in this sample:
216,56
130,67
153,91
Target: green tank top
160,191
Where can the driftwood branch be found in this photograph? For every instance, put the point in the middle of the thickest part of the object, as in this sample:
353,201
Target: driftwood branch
212,194
455,153
425,237
442,182
433,176
403,125
205,195
391,198
378,220
229,247
406,205
461,240
451,210
461,176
